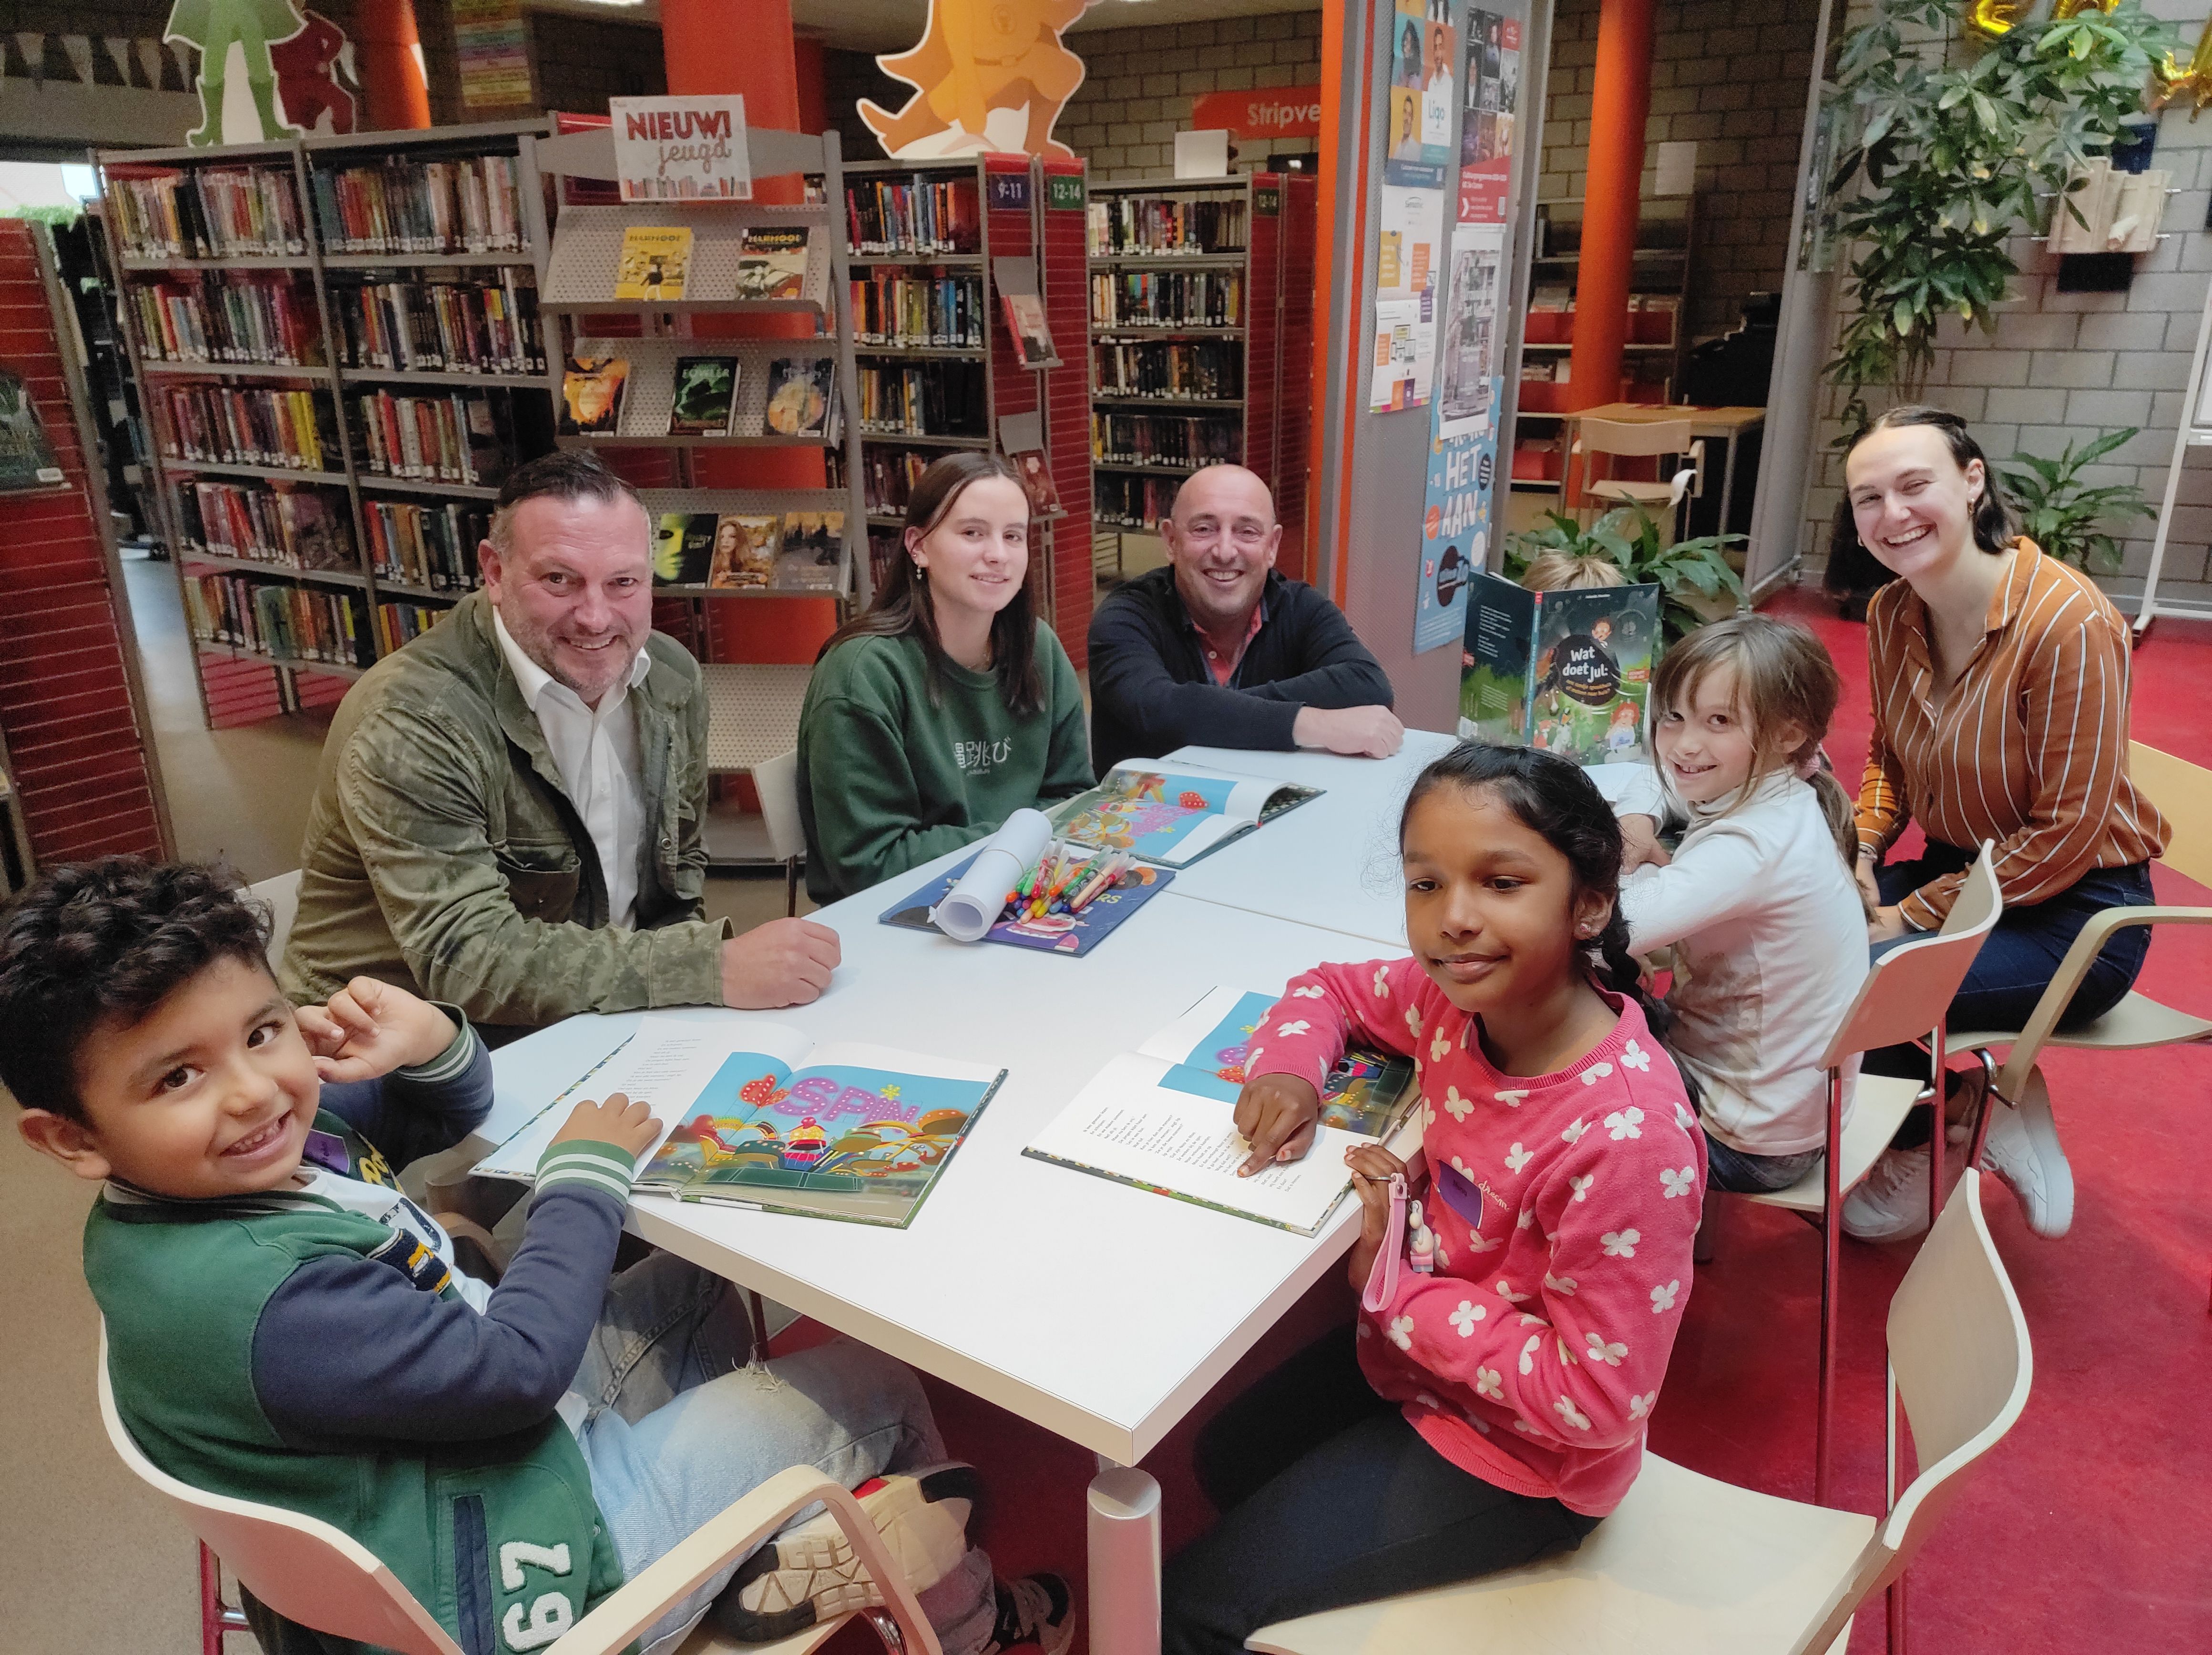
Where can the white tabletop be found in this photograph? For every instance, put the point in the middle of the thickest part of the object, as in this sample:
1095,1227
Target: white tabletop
1100,1312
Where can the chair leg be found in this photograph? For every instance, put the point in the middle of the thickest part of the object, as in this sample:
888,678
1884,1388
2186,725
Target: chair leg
1832,1231
791,888
1990,1098
1939,1131
217,1618
1896,1607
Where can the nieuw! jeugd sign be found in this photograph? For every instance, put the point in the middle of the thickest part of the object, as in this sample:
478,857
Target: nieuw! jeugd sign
681,149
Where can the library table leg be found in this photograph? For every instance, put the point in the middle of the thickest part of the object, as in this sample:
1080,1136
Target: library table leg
1124,1520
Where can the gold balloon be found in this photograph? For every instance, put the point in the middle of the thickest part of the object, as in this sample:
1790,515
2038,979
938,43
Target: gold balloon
1994,18
2169,81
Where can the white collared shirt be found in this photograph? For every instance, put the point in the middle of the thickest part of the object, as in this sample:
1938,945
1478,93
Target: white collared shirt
598,753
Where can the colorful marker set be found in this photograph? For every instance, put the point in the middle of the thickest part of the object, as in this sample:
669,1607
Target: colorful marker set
1065,881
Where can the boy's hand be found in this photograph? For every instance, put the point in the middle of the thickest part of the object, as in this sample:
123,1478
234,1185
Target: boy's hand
629,1126
1372,1167
370,1028
1276,1115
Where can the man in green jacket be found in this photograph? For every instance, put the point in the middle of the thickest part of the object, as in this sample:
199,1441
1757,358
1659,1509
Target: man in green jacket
507,817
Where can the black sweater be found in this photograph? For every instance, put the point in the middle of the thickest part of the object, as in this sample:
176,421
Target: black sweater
1150,692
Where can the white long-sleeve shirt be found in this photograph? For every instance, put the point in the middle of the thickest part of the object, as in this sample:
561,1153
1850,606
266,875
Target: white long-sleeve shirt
1770,948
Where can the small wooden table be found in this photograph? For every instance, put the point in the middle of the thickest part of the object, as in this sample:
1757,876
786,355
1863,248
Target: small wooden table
1731,424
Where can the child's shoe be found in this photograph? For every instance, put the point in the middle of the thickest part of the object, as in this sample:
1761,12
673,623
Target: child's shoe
809,1574
1037,1612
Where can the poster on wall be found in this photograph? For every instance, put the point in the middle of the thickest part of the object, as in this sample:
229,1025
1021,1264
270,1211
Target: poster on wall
1417,140
1468,340
690,148
1456,529
986,75
1492,82
26,459
492,44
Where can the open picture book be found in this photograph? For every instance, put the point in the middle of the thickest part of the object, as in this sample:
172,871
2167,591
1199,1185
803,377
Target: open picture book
1162,1117
759,1116
1172,813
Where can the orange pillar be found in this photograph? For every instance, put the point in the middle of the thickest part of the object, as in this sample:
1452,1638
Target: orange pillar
389,52
1621,99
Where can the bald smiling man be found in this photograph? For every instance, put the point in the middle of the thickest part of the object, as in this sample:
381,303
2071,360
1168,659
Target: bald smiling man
1218,650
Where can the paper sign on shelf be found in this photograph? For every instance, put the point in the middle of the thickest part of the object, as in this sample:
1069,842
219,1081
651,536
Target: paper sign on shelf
682,149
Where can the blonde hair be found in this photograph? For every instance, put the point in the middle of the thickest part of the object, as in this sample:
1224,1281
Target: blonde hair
1564,571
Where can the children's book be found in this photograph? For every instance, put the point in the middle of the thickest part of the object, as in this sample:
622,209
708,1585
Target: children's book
759,1115
1032,337
653,262
1162,1117
705,397
799,389
1072,934
1172,813
744,550
1567,672
591,395
683,545
772,262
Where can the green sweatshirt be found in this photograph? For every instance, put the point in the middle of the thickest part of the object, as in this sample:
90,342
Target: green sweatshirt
890,776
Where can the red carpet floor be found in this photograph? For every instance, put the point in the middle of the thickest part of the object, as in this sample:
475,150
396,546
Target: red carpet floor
2087,1527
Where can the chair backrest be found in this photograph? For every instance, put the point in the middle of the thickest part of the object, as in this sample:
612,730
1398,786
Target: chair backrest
299,1567
2182,793
1907,990
1980,904
777,781
282,893
1634,436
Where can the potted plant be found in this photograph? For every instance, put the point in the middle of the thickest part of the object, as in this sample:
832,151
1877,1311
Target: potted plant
1696,583
2061,514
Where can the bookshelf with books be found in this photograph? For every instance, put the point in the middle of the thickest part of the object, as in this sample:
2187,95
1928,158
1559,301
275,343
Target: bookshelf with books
339,353
1201,319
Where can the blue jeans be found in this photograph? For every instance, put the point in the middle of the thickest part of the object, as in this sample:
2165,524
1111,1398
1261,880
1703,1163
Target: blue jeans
678,1427
1743,1173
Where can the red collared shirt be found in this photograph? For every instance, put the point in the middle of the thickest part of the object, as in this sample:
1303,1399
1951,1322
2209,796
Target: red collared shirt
1223,671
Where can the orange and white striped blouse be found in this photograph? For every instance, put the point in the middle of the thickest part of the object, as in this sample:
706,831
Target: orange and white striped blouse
2030,748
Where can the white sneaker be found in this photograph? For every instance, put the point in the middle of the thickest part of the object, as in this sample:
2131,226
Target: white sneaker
2022,1148
1891,1204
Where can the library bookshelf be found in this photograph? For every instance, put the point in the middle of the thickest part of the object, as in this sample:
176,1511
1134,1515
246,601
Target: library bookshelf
338,349
1201,321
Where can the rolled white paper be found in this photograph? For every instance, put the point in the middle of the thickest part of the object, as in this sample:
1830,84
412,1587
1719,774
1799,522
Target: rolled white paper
971,907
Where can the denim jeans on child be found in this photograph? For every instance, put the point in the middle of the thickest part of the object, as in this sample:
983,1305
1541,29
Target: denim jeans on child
679,1427
1742,1174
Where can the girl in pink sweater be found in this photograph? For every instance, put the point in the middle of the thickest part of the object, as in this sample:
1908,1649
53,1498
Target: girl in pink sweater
1513,1343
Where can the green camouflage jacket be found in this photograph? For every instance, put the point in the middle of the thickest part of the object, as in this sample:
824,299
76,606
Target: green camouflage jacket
443,853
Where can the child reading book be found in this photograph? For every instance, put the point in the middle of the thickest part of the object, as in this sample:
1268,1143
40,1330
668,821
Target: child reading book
1513,1342
285,1326
949,705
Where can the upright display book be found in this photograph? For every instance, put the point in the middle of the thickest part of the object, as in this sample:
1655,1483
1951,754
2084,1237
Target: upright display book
759,1116
798,392
1072,934
772,262
744,550
1566,672
1172,813
26,458
811,558
1163,1118
682,548
653,262
705,396
592,396
1037,484
1032,337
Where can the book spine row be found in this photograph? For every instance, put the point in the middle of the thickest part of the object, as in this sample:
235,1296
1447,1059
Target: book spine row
926,399
1167,298
1163,224
292,528
472,205
1133,502
888,480
402,623
217,425
228,316
891,308
1199,370
240,212
488,326
916,217
291,624
1165,439
448,439
430,547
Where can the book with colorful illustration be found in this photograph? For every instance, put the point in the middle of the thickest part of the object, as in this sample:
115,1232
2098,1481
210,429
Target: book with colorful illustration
704,398
592,396
1567,672
653,262
1074,934
799,395
683,545
1172,813
1162,1117
744,551
759,1115
772,262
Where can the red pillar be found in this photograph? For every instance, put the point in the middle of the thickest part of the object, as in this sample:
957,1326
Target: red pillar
1621,99
390,53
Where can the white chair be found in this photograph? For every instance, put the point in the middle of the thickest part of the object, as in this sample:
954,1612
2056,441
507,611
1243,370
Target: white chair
777,781
309,1573
282,893
1640,440
1687,1565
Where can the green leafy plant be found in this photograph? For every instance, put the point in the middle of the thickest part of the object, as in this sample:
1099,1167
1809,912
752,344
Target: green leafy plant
1627,537
1961,135
2061,514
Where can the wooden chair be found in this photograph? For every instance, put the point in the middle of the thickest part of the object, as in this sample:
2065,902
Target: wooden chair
1638,439
1686,1564
308,1572
1890,1009
777,781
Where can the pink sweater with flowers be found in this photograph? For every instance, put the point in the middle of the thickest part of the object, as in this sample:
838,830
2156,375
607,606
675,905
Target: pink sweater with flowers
1563,1206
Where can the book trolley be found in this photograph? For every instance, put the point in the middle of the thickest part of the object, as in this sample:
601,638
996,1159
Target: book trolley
337,346
1202,322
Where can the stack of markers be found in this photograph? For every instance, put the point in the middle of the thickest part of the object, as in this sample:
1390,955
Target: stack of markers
1064,881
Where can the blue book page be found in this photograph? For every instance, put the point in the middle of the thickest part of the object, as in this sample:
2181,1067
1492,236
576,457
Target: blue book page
1072,934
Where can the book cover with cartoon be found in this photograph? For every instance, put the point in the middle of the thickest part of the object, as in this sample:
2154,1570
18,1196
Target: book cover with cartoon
1172,815
653,262
1566,672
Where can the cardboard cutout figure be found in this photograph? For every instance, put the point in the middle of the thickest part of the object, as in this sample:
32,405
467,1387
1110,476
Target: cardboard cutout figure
214,27
975,56
306,75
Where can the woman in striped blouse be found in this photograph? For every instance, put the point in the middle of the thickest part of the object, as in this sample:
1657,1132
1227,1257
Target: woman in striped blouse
2000,682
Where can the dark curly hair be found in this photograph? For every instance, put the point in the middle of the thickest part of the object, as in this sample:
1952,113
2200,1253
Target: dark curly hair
1556,801
108,941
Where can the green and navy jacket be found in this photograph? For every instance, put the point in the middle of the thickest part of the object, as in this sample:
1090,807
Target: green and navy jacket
285,1349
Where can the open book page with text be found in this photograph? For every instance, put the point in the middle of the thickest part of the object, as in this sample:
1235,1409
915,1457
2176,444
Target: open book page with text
1172,813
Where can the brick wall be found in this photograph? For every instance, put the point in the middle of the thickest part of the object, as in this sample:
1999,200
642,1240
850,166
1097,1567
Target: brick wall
1730,78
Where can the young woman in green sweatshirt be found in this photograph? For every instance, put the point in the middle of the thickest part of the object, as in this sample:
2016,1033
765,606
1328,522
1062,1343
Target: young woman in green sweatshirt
948,705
